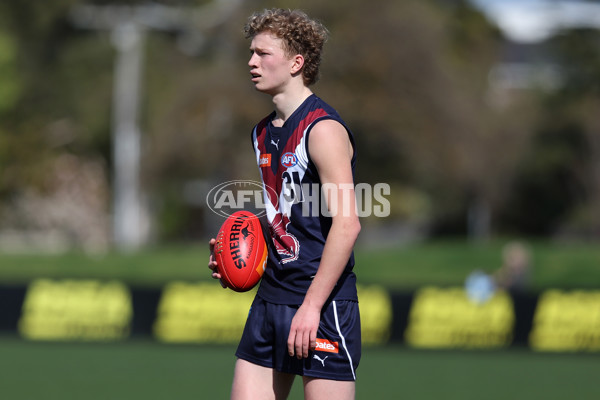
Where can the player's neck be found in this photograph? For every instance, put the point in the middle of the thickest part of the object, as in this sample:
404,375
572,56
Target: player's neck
287,102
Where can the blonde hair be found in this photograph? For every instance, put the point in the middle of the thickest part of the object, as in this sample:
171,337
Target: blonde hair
300,35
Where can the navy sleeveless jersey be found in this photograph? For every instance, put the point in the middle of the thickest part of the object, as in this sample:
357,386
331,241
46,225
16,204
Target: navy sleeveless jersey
297,229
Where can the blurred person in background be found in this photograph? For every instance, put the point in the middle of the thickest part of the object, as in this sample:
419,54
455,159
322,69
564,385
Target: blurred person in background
515,272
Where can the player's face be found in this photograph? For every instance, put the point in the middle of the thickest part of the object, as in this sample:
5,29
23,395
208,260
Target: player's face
270,66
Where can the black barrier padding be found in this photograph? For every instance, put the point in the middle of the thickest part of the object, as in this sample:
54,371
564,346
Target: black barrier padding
11,302
524,308
145,302
145,306
401,303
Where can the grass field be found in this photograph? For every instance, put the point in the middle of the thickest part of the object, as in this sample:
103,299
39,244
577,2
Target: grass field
575,265
146,370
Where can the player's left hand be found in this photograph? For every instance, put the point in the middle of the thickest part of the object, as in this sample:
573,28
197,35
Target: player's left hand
212,262
303,331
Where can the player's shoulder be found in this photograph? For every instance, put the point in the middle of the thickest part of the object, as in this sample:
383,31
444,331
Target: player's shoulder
328,126
327,137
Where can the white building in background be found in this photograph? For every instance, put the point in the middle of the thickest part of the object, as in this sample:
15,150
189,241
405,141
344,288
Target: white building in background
533,21
527,25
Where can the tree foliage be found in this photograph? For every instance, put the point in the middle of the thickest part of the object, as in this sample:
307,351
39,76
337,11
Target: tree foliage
410,77
558,187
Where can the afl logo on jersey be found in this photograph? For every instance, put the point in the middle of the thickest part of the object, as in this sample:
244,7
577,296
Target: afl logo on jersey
288,160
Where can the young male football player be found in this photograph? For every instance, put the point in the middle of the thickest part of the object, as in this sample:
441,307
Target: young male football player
304,319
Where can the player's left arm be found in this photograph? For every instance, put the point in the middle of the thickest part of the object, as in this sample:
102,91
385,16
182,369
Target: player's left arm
331,151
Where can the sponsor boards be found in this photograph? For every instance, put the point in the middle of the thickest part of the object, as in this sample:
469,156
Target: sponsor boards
448,318
78,310
566,320
555,320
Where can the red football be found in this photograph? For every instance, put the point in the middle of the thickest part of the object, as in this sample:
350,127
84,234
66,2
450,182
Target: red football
241,251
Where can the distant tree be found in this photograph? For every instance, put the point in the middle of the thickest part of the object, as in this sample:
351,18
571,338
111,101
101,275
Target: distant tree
558,191
410,77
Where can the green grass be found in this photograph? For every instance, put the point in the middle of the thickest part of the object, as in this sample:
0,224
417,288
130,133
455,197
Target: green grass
145,369
441,263
139,369
567,265
145,268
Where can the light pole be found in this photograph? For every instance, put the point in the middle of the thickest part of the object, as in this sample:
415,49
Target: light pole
128,26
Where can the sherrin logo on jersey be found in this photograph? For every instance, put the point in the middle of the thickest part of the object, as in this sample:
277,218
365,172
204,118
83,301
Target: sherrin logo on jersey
265,160
288,160
327,346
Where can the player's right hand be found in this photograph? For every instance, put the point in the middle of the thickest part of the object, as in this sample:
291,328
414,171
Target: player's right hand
212,262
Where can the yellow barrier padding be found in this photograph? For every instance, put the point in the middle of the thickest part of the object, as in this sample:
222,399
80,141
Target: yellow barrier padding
567,321
447,318
76,310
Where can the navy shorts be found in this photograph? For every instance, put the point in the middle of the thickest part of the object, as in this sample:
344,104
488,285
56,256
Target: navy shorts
264,341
